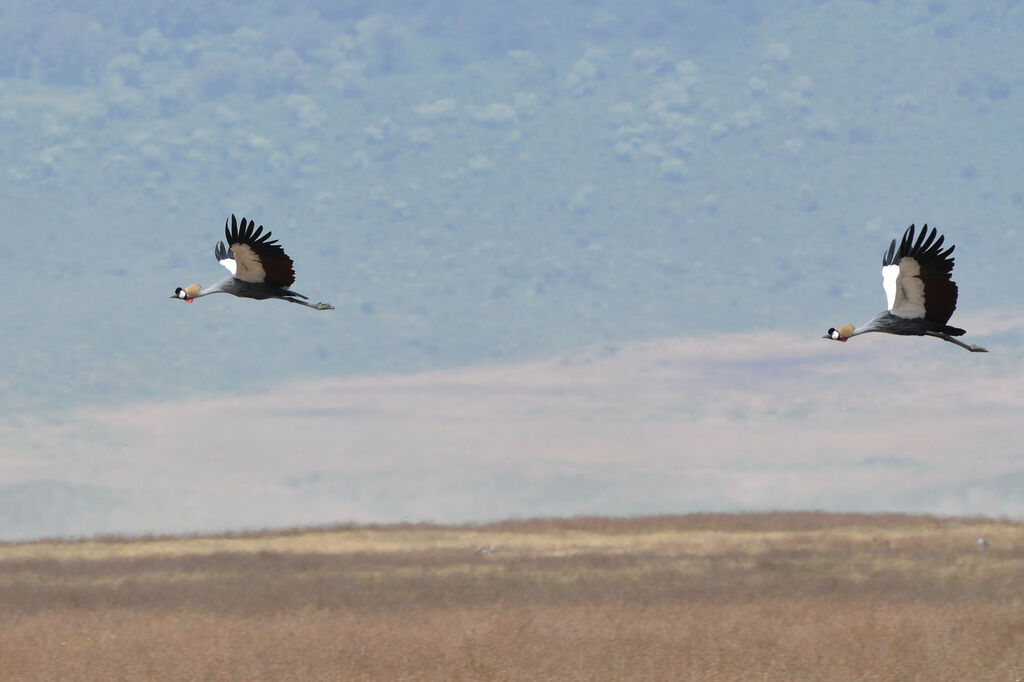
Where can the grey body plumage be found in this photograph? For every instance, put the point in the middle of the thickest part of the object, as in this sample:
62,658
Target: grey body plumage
917,278
243,289
259,267
894,324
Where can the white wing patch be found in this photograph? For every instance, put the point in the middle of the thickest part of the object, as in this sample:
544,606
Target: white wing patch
246,265
889,275
904,290
229,263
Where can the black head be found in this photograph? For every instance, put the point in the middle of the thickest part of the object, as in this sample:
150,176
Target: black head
186,294
841,334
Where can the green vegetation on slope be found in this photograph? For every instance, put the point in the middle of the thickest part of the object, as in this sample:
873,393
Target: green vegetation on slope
472,182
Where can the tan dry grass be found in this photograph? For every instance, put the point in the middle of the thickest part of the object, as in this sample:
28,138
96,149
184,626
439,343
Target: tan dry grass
778,639
693,534
697,597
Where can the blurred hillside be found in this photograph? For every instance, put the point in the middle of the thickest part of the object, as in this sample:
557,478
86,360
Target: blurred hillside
478,182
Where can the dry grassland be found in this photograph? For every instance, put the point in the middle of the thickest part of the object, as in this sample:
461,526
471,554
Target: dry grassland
783,596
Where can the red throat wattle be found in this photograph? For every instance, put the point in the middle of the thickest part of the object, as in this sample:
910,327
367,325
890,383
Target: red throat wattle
189,299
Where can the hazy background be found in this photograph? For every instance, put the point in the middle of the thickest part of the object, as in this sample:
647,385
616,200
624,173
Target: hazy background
581,255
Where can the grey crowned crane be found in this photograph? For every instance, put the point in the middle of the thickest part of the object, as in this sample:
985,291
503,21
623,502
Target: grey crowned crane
917,277
258,265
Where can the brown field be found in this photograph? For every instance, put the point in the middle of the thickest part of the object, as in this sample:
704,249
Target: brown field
779,596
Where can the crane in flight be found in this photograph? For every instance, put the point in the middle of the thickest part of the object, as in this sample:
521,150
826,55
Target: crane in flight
258,265
917,278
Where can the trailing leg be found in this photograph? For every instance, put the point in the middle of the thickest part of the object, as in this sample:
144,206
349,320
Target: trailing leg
946,337
315,306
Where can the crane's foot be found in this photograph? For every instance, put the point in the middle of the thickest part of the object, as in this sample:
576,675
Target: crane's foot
324,306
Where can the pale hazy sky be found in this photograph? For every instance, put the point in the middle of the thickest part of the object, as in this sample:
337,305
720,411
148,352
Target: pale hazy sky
720,422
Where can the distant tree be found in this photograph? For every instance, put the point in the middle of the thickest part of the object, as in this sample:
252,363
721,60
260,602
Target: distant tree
178,20
217,72
72,49
128,66
287,72
302,32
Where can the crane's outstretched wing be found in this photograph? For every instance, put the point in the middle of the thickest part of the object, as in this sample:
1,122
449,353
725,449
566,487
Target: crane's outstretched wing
917,277
252,258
